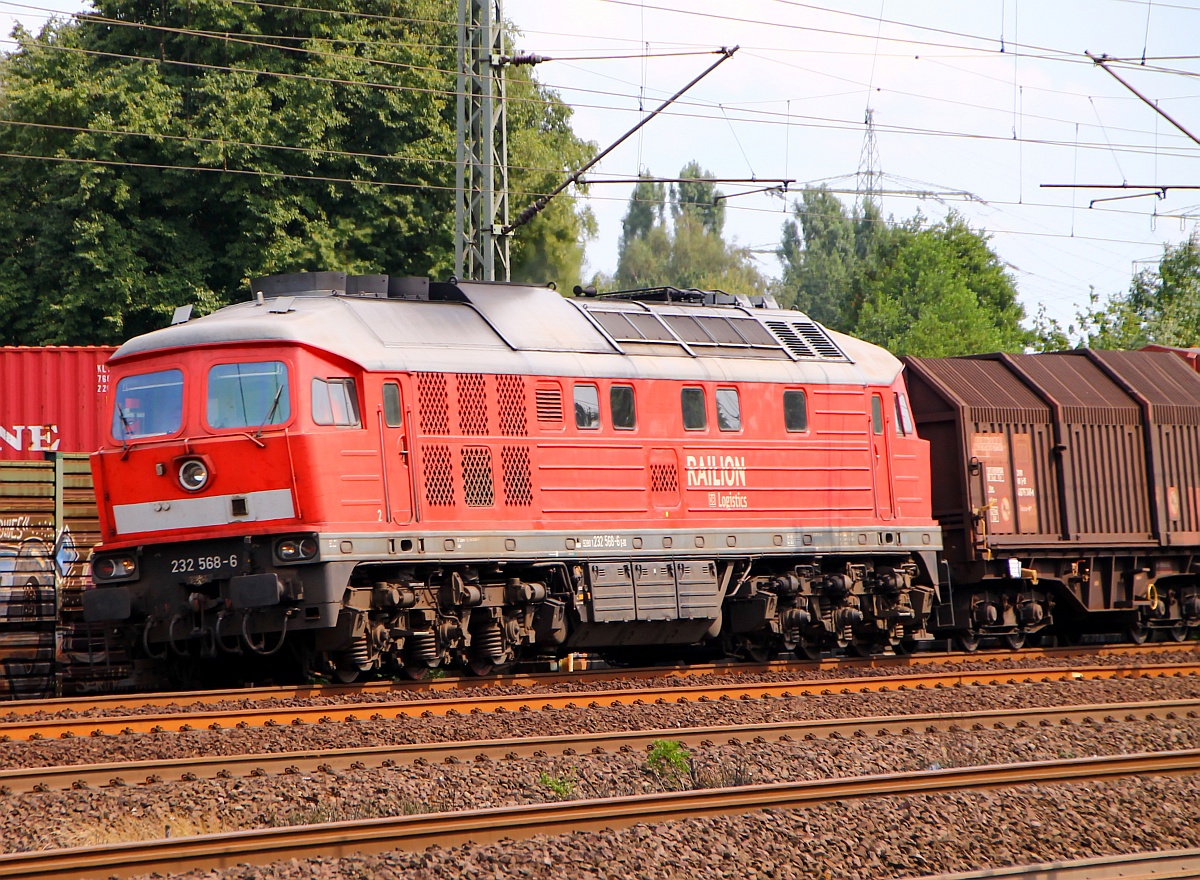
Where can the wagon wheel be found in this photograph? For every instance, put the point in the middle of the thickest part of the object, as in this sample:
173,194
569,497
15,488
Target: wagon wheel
967,640
808,648
1179,632
859,649
761,649
1015,640
1137,633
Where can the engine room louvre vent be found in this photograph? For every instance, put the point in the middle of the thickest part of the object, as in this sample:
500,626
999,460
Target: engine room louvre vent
472,405
437,466
478,489
549,404
805,339
818,340
431,398
513,422
518,483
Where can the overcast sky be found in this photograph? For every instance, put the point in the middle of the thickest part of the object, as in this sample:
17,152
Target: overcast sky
990,98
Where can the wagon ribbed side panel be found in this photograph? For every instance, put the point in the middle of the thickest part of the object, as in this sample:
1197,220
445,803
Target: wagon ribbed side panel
51,400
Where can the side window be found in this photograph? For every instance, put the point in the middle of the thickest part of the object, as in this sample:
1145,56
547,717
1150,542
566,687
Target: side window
334,402
694,416
904,419
391,405
876,414
587,407
620,405
729,410
795,411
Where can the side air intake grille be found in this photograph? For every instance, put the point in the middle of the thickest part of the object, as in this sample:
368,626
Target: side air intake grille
439,476
431,399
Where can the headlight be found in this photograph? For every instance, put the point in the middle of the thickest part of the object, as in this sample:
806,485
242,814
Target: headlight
296,549
193,475
111,568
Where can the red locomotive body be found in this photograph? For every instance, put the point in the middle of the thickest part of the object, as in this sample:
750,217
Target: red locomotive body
393,473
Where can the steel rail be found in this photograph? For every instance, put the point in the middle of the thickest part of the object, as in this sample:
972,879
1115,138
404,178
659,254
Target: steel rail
181,699
336,839
1167,865
131,773
217,719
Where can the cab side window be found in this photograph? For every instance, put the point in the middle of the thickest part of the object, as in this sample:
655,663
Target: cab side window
904,419
391,405
876,414
335,402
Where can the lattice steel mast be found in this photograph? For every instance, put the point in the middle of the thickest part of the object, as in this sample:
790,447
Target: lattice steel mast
481,176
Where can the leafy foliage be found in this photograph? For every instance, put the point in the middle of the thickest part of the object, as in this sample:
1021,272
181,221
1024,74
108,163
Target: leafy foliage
176,165
825,255
669,761
1161,306
914,288
686,250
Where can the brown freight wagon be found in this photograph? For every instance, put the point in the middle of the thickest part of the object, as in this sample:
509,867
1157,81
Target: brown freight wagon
1067,486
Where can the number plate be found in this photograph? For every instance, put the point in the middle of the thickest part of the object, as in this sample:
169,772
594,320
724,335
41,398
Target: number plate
207,565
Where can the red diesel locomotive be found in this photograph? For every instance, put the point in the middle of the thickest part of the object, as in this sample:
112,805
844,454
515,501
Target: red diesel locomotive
361,473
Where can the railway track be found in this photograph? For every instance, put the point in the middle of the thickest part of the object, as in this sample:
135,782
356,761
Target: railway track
125,773
531,680
213,851
1171,865
204,717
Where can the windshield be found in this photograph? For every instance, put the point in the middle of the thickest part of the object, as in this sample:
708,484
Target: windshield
149,405
248,395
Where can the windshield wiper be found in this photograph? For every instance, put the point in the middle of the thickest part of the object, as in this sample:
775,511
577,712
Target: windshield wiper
270,413
126,425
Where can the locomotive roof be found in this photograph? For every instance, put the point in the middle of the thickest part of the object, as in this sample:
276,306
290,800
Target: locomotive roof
519,329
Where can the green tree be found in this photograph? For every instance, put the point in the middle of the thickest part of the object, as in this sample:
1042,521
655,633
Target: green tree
1161,306
940,290
187,146
824,251
685,249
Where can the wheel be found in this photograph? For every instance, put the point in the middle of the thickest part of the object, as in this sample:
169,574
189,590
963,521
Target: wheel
967,641
1137,633
414,671
1179,632
860,649
347,674
808,649
479,666
758,650
1015,640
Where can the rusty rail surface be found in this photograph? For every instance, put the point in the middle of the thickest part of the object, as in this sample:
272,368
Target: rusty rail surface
182,699
1167,865
217,718
150,772
336,839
